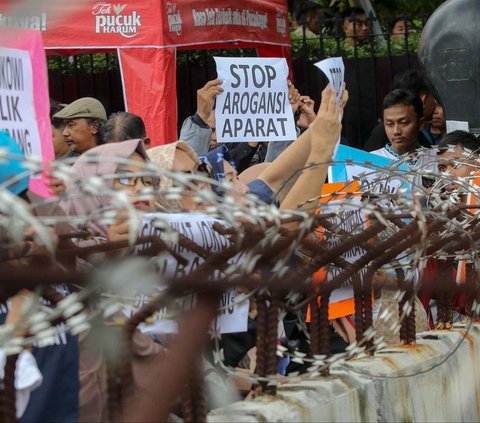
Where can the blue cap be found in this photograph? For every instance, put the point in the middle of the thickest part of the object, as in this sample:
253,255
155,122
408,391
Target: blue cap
12,165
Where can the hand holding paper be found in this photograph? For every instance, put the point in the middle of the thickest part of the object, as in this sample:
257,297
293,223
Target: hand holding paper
293,96
334,70
307,113
325,129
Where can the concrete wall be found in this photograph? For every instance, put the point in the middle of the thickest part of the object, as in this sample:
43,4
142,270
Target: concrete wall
436,380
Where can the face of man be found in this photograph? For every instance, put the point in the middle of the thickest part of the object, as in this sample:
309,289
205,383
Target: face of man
80,135
401,28
356,26
402,126
457,164
60,147
438,119
314,19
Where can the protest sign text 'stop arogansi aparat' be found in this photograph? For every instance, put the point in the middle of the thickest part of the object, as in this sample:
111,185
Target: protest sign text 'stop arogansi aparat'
254,105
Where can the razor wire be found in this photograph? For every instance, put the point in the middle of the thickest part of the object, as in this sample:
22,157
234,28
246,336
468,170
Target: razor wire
271,254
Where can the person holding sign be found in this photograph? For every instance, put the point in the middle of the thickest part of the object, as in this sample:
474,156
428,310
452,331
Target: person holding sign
126,177
199,130
312,146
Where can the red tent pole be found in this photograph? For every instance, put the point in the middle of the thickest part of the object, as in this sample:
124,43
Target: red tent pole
149,86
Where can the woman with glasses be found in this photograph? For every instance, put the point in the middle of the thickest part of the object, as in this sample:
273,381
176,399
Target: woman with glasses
122,169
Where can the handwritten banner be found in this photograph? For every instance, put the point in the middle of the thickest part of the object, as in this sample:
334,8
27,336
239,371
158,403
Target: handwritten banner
197,227
344,200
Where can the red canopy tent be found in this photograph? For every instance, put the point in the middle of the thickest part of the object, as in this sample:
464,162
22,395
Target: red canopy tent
146,34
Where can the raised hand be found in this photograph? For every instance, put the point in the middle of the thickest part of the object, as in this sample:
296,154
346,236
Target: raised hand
326,127
206,98
307,113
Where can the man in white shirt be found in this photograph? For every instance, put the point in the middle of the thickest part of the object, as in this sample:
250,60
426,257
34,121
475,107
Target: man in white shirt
403,120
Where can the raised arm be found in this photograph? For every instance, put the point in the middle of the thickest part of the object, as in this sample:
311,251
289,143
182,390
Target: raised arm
323,135
195,129
296,155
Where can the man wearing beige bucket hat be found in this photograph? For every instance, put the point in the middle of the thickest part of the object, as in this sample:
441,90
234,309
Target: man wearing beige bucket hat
83,120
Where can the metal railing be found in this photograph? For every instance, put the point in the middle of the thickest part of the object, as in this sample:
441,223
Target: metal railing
370,66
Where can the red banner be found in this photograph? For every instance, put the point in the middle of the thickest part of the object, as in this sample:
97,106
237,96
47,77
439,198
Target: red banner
155,28
152,23
220,21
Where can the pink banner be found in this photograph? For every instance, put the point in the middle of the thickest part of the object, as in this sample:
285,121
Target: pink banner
24,99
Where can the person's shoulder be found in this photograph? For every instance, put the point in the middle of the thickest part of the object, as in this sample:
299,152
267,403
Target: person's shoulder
298,33
424,141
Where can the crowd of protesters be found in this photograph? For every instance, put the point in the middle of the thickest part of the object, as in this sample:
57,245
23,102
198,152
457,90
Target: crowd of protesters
354,26
66,382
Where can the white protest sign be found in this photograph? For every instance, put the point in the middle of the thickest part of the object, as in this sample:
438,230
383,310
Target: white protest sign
377,175
334,70
17,111
457,125
351,219
197,227
372,181
254,105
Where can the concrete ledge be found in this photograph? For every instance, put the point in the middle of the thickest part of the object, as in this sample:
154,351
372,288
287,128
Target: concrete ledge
336,398
444,386
425,382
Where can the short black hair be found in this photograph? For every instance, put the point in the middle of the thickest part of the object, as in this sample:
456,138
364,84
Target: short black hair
352,12
463,138
302,10
412,80
55,107
123,126
405,98
100,123
401,18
